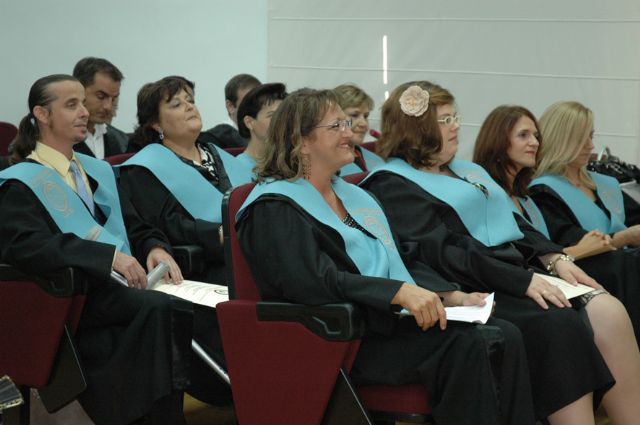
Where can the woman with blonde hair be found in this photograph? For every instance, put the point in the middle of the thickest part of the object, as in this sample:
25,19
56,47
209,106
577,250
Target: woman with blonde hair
357,104
573,200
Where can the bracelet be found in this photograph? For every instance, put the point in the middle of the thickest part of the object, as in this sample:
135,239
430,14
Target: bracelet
551,267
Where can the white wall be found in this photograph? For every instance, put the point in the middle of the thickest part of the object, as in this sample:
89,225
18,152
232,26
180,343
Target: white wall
207,41
486,52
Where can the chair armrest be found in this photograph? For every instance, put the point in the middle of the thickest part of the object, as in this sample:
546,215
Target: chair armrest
64,282
190,258
332,322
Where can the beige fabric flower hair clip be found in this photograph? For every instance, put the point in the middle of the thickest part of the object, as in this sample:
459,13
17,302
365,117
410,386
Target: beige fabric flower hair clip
414,101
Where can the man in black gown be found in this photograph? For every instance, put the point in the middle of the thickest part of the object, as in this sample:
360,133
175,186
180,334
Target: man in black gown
133,343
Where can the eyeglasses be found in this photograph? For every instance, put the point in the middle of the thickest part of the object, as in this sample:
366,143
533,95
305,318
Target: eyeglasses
340,124
450,119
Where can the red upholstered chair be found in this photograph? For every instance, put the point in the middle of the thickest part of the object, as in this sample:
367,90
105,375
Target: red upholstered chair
118,159
38,317
8,132
235,151
289,363
370,146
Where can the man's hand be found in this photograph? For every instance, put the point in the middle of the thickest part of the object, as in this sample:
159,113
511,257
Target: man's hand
129,267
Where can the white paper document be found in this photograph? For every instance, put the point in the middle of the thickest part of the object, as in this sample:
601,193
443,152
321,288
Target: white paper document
472,314
567,289
203,293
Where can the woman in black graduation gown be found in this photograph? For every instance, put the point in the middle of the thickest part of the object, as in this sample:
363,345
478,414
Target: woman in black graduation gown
506,147
567,129
133,344
419,140
183,199
307,235
176,184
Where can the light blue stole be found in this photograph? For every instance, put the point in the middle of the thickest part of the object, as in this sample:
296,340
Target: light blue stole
588,214
536,219
196,195
247,162
483,206
377,257
238,174
371,159
65,206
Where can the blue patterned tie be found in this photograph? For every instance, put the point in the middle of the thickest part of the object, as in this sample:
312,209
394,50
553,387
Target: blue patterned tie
81,188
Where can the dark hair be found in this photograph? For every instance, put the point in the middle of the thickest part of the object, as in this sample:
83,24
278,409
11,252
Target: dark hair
256,99
239,82
39,95
87,68
415,139
492,145
149,98
296,117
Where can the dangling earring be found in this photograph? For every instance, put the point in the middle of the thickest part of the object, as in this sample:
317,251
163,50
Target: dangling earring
306,166
161,135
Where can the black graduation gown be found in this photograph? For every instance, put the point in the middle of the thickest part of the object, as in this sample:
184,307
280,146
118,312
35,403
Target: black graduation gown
224,136
563,359
159,209
296,258
115,142
134,345
157,206
618,271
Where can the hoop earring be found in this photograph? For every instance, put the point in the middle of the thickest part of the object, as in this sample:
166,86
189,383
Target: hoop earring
161,135
306,166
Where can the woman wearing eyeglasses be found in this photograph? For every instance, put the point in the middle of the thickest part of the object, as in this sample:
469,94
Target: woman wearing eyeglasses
311,238
506,147
449,214
357,104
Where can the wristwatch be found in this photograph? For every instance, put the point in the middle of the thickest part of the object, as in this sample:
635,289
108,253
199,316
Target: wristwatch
551,267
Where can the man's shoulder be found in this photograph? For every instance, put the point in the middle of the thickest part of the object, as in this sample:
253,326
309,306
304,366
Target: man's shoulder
224,136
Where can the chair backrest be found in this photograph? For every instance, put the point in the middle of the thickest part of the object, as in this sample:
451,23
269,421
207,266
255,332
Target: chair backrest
370,146
119,159
235,151
355,178
8,132
242,285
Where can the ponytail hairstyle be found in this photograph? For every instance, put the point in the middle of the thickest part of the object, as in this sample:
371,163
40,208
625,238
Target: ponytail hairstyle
28,130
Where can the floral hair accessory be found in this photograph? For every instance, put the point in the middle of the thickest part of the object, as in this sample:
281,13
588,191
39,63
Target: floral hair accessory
414,101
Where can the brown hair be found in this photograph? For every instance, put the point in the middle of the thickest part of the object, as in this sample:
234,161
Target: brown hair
149,98
295,118
492,145
414,139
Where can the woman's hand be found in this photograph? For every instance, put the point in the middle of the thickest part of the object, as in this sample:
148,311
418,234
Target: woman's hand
424,305
158,255
629,236
459,298
542,291
129,267
573,274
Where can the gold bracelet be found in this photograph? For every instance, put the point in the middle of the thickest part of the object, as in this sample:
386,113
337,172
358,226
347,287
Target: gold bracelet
551,267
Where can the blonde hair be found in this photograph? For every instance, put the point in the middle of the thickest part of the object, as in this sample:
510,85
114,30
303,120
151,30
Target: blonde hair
352,96
565,127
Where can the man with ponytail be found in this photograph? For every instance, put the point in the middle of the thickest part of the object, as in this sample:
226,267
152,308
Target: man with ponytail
59,208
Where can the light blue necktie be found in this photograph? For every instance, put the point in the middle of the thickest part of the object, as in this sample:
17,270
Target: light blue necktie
81,188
